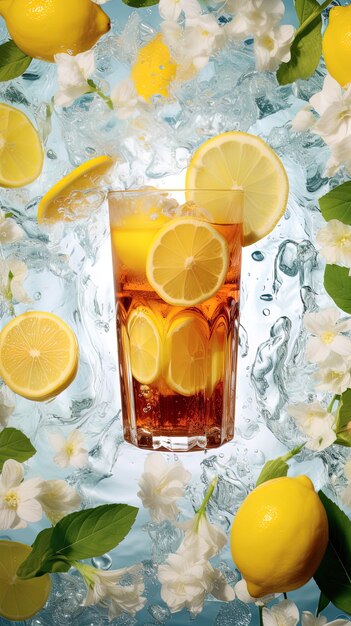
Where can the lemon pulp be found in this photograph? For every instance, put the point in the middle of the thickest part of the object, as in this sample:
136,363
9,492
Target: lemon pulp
38,355
145,345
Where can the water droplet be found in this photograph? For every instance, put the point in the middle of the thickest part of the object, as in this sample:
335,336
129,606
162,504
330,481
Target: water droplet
102,562
37,295
257,255
267,297
266,312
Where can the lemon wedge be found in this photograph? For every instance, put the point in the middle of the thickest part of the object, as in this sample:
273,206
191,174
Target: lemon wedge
187,262
145,346
21,153
67,199
38,355
187,355
239,160
19,599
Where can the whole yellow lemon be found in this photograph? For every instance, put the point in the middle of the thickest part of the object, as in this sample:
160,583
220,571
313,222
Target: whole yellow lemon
153,69
337,44
279,535
42,28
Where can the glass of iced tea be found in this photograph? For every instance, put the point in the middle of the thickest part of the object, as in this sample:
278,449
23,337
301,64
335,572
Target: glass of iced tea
177,261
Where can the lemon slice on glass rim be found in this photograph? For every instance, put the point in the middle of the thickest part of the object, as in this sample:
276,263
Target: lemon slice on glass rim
238,160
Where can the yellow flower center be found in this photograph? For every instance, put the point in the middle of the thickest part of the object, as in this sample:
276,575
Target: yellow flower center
69,448
268,43
328,336
342,241
11,499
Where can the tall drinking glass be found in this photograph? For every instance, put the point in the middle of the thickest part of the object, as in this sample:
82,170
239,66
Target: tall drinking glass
177,263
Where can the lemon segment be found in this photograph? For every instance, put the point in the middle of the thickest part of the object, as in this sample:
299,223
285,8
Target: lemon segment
145,346
336,44
43,28
279,535
66,199
235,160
187,355
217,350
38,355
19,599
21,153
153,69
187,262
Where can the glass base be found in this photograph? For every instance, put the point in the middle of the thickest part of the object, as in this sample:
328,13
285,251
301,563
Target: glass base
178,442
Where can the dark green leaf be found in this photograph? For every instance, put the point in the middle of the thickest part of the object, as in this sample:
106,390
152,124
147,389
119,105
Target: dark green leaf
343,420
333,576
92,532
323,603
336,204
14,445
32,566
8,214
337,283
140,4
13,62
273,469
306,48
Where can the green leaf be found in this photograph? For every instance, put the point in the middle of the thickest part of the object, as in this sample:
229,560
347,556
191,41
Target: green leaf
323,603
306,48
13,62
32,565
273,469
333,576
14,445
140,4
336,204
343,420
92,532
337,283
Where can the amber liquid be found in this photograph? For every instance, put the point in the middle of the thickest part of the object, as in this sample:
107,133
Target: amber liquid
154,415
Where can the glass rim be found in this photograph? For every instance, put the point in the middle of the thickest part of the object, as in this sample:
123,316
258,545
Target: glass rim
173,190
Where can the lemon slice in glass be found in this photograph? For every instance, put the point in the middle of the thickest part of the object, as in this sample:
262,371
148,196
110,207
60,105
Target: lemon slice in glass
21,153
38,355
239,160
145,345
187,355
187,262
19,599
67,200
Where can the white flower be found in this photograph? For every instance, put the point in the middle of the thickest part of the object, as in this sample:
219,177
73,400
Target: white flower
9,230
212,537
161,485
273,47
283,614
72,75
171,9
69,451
186,579
315,422
19,271
242,593
200,36
102,588
326,326
178,39
303,119
308,619
335,242
99,1
333,104
57,499
19,502
125,98
335,375
7,406
254,17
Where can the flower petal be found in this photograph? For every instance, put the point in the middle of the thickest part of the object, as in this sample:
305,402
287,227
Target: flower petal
12,474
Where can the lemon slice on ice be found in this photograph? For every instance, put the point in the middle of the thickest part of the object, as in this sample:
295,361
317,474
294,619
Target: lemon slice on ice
38,355
187,354
19,599
67,199
145,346
239,160
187,262
21,153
